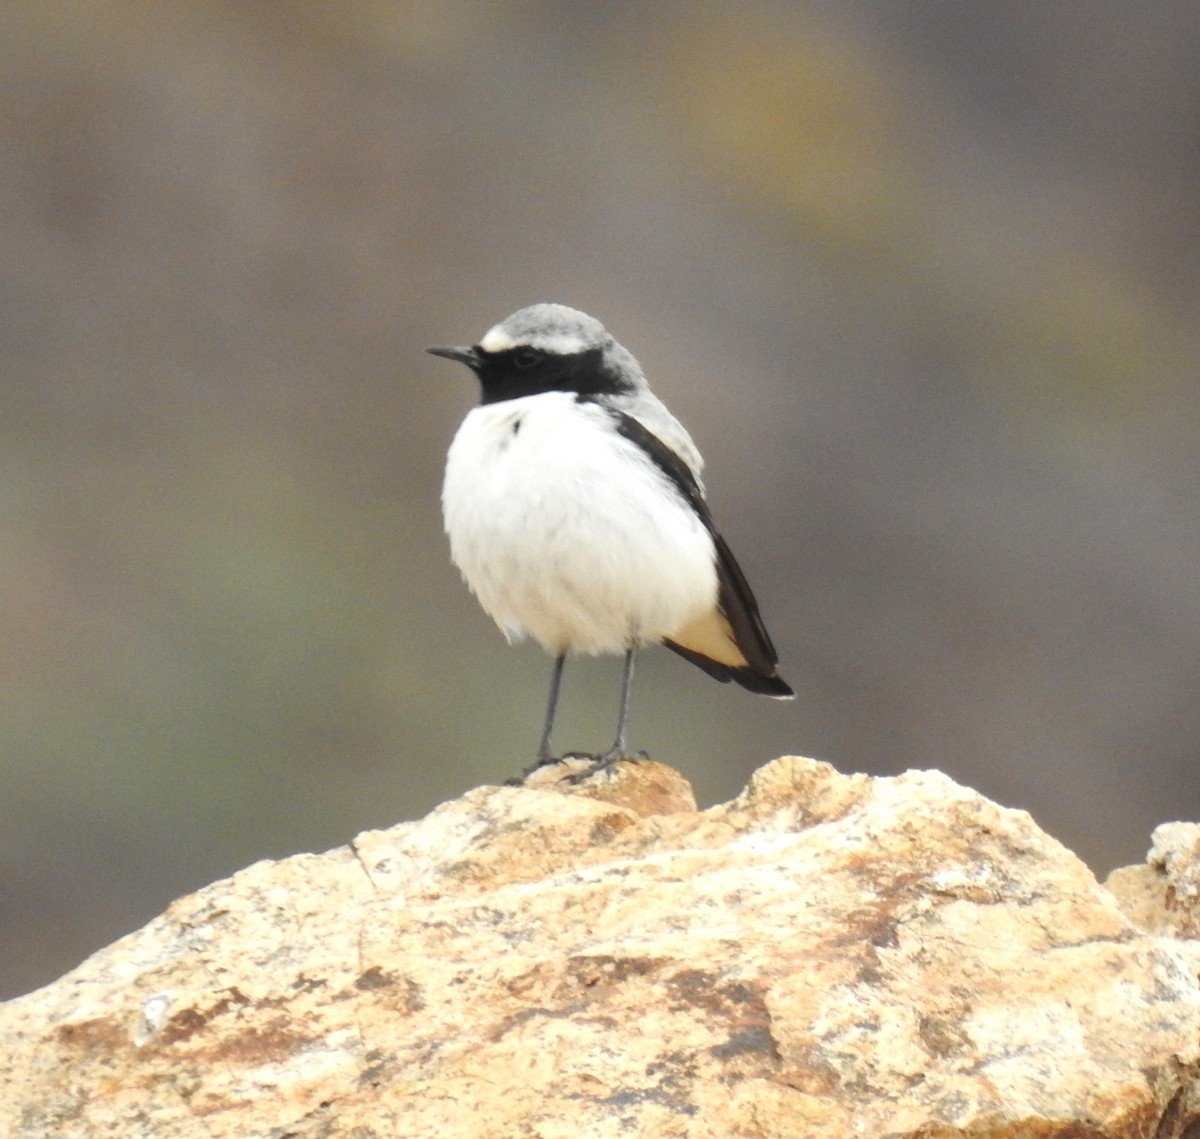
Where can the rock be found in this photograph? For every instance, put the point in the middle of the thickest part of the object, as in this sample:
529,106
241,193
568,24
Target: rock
824,955
1164,895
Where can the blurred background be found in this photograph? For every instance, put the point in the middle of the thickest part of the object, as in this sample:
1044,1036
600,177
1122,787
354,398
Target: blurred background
921,278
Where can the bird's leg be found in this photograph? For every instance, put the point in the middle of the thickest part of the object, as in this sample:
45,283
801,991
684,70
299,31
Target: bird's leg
618,747
543,752
544,755
618,751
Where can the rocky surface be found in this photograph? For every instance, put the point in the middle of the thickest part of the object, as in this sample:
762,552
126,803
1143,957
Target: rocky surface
1163,896
825,955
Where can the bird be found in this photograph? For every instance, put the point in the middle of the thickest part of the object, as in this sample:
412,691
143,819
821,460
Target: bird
576,514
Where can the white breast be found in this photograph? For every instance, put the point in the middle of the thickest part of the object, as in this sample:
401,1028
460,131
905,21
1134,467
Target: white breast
568,533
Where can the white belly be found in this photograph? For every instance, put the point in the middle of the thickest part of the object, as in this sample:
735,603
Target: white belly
568,533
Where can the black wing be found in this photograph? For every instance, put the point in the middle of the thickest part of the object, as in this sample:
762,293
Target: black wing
737,608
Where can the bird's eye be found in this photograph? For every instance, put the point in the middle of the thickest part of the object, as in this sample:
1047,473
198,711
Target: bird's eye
524,358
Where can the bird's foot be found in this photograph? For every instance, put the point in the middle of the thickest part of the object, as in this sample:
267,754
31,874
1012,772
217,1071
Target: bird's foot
546,760
606,762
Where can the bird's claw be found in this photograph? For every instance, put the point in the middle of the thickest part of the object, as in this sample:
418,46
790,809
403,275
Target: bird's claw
605,761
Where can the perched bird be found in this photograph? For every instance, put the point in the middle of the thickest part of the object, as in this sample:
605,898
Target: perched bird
575,511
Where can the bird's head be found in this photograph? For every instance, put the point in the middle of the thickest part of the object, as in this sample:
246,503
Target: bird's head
544,348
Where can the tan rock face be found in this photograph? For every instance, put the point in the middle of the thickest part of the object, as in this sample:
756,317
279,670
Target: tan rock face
826,955
1164,895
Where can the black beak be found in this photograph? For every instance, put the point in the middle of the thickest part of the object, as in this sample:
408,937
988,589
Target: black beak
468,356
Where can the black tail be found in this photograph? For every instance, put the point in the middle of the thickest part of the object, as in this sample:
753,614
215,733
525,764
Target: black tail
745,629
773,685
